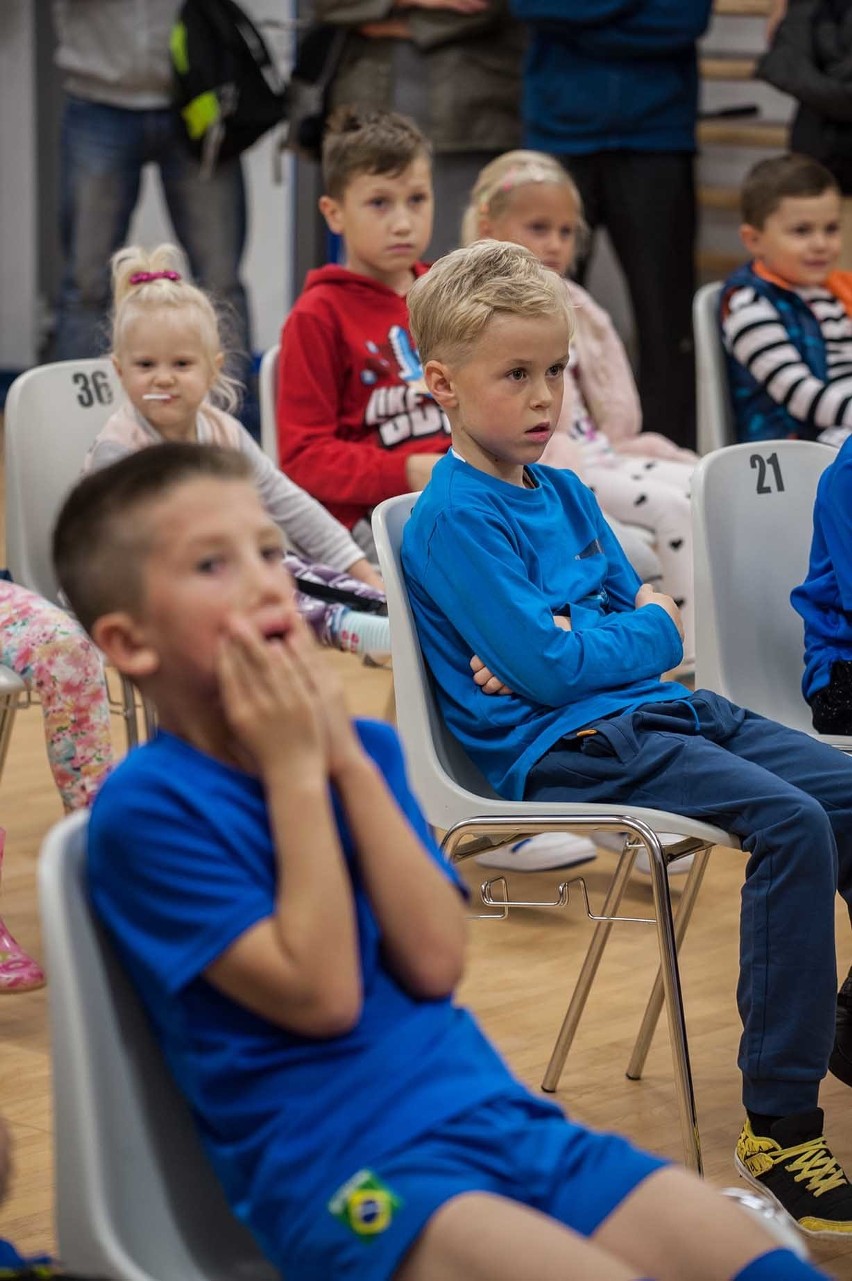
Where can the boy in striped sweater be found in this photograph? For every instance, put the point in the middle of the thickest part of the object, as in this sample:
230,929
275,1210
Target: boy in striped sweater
785,320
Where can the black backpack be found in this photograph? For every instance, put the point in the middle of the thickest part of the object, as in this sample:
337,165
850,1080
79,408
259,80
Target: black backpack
227,88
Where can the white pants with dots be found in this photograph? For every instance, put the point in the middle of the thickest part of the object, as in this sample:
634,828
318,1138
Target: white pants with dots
654,493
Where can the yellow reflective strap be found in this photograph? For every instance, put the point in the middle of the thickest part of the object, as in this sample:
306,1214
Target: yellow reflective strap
178,50
200,114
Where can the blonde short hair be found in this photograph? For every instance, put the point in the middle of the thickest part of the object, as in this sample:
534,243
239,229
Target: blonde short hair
143,280
501,178
450,306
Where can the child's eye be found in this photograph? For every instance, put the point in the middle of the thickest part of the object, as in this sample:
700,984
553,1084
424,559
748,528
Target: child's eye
419,198
517,375
832,229
273,553
378,202
557,370
143,364
538,228
567,232
210,564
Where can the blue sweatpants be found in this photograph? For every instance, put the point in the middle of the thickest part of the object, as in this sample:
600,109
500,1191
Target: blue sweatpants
789,800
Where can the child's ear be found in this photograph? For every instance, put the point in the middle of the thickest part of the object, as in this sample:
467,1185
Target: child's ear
333,214
751,238
116,364
484,227
438,379
123,641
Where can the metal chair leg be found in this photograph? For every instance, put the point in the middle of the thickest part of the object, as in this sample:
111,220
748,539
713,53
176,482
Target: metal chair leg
8,711
128,711
655,1002
673,997
589,969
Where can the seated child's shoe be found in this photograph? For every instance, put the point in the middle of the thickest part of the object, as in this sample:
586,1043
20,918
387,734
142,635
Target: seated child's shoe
18,971
840,1063
794,1165
541,853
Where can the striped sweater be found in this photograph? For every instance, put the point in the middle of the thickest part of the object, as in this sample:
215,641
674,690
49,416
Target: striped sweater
789,359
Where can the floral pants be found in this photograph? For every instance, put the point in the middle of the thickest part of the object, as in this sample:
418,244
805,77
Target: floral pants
50,651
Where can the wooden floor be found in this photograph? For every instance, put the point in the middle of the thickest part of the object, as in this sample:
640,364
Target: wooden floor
520,973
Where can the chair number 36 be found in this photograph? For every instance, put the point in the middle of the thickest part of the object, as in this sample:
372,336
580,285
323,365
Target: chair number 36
764,466
93,387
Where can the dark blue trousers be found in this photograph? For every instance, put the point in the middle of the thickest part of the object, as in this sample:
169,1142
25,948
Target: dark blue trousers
789,800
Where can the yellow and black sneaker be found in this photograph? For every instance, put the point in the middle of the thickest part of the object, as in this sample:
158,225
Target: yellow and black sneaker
795,1166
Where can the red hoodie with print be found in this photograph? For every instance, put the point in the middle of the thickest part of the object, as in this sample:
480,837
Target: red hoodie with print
351,402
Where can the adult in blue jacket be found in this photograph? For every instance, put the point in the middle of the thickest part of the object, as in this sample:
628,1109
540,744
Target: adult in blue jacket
611,88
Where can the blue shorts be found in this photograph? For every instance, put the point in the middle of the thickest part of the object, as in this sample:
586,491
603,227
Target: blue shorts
514,1146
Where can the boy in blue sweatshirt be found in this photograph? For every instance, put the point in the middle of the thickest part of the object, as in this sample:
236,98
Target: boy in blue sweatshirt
514,575
275,894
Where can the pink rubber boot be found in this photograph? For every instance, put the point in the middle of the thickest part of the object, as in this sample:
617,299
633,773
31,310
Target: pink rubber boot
18,971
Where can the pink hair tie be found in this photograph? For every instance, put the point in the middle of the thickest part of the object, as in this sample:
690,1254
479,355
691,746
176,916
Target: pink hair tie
145,277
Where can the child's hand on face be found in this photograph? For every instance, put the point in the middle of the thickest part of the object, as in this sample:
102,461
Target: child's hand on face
270,699
342,744
647,596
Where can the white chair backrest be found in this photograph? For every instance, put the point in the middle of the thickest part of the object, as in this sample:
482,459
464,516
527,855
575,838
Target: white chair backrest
444,775
753,521
715,415
53,413
136,1199
267,388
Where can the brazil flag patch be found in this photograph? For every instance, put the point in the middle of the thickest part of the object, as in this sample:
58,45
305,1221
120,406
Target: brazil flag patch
365,1204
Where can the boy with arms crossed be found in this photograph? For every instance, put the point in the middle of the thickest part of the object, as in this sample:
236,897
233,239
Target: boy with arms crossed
274,892
514,573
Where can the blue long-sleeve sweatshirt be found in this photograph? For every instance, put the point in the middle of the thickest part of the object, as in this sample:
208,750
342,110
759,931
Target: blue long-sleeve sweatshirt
824,599
603,75
488,565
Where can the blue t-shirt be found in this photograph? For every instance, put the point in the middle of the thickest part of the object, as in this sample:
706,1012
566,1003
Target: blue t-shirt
824,599
181,863
488,565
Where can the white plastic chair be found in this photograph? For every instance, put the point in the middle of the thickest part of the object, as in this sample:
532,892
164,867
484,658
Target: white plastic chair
53,414
267,388
714,409
456,798
752,511
136,1199
13,694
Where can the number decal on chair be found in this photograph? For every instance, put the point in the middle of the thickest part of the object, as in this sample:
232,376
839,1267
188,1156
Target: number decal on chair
763,465
94,388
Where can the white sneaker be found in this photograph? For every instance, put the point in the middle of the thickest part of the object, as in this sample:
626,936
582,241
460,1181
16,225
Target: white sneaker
615,841
539,853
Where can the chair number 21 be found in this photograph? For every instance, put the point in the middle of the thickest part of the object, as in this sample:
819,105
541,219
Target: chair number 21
764,466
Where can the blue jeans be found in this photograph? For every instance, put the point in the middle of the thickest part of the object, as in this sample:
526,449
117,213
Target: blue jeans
789,800
103,151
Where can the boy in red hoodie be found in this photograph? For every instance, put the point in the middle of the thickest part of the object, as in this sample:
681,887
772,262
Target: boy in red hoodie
355,422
